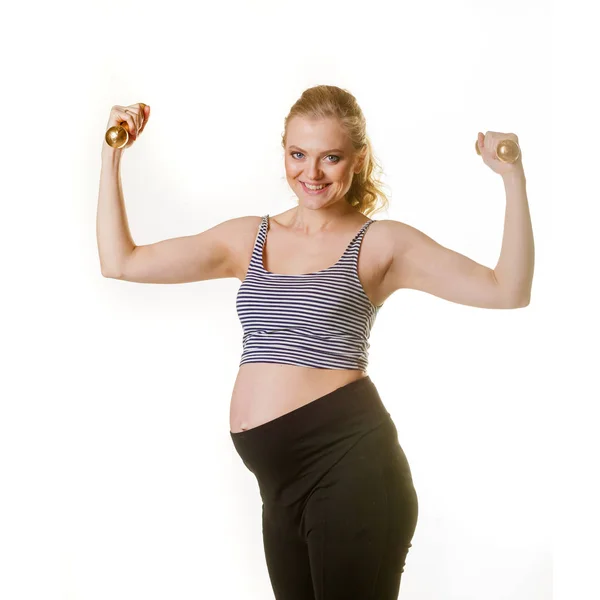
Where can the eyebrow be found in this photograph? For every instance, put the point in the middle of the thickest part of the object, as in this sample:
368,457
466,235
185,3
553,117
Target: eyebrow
326,151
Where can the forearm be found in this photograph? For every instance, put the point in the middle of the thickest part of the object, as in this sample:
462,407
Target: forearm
514,271
114,239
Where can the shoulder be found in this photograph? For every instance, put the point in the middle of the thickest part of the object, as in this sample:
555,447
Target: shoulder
232,231
247,223
388,227
401,238
400,244
239,228
390,238
391,243
240,234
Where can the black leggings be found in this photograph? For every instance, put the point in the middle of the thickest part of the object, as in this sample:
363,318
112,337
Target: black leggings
339,508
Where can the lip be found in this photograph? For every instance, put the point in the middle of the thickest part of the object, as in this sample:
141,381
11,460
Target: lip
314,192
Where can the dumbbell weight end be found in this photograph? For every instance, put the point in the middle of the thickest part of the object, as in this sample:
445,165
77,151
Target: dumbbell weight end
507,151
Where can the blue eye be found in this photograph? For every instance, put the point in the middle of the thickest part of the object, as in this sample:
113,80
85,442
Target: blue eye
334,156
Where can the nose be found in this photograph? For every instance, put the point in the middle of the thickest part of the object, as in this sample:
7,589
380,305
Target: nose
312,171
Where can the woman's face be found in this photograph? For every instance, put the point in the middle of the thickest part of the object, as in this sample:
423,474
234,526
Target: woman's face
319,152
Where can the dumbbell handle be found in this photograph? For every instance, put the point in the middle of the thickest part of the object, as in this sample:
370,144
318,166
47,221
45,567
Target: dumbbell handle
118,135
507,151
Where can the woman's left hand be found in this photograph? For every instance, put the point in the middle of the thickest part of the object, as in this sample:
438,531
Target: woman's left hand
487,146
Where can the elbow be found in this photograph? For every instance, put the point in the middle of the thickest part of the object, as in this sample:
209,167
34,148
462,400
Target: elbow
513,298
519,303
110,274
524,299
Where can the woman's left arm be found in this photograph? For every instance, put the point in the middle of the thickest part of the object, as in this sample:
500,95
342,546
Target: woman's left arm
418,262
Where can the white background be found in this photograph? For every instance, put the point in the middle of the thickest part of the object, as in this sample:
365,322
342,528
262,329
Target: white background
118,476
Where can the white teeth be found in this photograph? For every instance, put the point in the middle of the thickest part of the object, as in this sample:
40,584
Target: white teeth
315,187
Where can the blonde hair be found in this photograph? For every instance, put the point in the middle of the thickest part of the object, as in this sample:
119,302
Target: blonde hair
328,101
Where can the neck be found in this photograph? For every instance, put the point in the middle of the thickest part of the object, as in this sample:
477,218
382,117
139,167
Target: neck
313,221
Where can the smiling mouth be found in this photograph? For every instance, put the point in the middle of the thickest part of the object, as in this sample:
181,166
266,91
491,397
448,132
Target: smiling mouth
321,186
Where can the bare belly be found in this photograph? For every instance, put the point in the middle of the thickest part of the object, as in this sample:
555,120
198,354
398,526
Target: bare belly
264,391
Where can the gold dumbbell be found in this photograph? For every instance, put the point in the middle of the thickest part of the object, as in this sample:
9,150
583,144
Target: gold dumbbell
507,151
118,136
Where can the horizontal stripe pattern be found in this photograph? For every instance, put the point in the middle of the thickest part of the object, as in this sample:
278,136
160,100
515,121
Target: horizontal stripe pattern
321,320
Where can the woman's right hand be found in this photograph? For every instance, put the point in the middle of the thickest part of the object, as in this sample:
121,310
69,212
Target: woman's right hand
135,117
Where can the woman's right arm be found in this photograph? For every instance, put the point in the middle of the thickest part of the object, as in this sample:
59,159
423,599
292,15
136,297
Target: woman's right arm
211,254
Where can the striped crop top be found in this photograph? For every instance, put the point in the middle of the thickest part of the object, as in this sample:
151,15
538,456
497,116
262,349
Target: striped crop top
321,320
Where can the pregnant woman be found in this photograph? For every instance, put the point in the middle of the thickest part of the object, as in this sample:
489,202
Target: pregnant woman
339,508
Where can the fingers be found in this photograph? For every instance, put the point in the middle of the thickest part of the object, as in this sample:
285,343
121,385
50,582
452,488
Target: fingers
490,142
133,118
137,117
124,114
144,116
